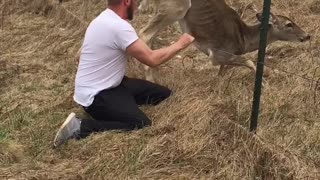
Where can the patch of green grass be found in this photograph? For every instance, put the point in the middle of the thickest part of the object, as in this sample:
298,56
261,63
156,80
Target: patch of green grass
132,157
20,118
3,135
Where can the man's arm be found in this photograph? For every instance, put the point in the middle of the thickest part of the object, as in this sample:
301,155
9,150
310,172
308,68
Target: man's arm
153,58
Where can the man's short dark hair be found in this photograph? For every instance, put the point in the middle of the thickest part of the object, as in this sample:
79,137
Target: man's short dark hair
114,2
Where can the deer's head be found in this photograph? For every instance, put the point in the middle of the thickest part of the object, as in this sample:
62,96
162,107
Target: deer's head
284,29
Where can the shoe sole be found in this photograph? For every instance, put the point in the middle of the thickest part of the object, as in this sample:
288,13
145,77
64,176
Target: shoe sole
69,118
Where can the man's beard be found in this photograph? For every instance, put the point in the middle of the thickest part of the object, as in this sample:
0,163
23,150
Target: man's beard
130,12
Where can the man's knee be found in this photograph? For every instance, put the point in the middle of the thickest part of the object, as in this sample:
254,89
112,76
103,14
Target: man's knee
162,94
146,122
141,122
166,92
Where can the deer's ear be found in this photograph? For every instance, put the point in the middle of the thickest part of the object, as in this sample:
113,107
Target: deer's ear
272,18
259,16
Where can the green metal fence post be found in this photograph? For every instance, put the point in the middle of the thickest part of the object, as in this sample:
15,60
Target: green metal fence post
259,73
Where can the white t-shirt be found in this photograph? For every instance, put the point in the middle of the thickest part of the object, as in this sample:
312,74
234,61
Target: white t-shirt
102,61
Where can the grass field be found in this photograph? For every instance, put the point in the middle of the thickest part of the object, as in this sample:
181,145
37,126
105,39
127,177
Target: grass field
201,132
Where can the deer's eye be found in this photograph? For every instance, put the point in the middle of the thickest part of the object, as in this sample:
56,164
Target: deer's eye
289,25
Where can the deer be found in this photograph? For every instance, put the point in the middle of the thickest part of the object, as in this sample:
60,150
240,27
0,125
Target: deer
218,29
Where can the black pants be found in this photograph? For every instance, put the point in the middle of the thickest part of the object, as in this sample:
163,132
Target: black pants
117,108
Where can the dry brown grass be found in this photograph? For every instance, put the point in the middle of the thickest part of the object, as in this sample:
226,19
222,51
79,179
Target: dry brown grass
199,133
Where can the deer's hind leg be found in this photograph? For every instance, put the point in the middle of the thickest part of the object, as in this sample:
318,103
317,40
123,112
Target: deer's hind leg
167,13
145,6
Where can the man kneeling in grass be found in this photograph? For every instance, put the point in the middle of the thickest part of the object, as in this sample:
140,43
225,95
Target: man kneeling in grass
101,86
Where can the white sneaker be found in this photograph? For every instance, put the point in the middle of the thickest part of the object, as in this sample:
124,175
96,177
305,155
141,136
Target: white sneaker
68,130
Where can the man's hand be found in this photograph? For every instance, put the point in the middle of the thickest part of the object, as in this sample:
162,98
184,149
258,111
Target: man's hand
185,40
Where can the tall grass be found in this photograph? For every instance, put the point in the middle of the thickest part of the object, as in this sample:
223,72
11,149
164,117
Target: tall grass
198,133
